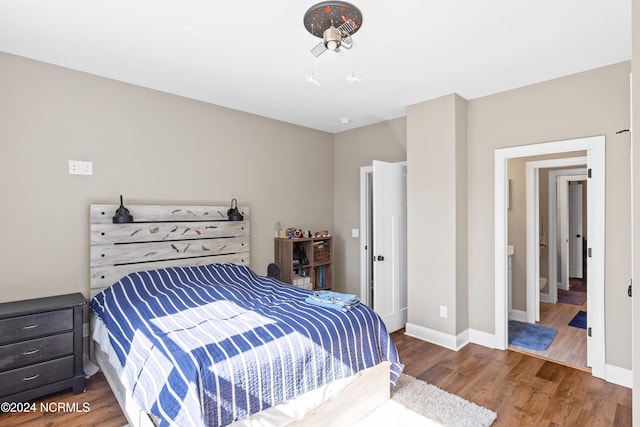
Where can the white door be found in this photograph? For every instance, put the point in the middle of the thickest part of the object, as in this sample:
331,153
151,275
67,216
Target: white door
390,243
575,231
563,232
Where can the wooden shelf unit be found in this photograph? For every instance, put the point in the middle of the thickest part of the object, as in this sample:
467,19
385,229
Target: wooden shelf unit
319,254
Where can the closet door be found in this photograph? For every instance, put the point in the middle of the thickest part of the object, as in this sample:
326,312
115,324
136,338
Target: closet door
390,243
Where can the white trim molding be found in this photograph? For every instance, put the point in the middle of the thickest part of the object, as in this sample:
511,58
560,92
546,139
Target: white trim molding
619,376
595,152
482,338
613,374
452,342
519,315
533,230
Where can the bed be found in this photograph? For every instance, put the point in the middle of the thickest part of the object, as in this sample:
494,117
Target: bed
187,334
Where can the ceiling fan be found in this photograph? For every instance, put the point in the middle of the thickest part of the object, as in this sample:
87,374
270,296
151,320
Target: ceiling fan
335,22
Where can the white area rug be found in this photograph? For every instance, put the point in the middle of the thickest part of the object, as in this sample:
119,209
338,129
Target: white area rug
416,403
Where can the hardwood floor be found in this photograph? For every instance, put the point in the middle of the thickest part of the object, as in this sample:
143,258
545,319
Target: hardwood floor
97,406
570,344
523,390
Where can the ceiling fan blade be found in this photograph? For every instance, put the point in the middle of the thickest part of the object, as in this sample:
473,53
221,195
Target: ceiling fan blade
318,49
347,28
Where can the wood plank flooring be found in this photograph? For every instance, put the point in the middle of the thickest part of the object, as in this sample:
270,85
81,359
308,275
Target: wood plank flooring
103,409
523,390
570,344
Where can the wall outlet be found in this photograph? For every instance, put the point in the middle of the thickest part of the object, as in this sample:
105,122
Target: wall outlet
443,311
79,167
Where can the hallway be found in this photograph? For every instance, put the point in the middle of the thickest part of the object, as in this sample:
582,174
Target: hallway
569,347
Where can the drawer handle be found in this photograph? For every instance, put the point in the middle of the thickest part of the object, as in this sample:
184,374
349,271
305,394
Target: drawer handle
30,327
32,377
26,353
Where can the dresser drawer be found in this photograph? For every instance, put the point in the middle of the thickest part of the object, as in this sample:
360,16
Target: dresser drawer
35,325
21,379
25,353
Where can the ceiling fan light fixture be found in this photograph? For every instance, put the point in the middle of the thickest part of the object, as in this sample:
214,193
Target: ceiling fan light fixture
333,22
332,38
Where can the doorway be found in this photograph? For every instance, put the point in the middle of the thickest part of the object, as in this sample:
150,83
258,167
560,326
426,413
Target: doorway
383,259
550,229
559,181
557,225
594,148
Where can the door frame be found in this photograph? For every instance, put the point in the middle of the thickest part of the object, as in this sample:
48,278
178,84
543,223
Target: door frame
563,208
574,213
595,150
366,238
553,214
533,228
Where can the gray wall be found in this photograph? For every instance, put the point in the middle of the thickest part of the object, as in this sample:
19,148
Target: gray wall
386,141
437,214
152,148
158,148
585,104
590,103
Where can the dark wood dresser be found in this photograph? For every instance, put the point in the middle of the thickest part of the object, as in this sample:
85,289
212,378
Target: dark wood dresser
41,347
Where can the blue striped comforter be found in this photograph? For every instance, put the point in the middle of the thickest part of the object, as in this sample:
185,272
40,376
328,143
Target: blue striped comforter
208,345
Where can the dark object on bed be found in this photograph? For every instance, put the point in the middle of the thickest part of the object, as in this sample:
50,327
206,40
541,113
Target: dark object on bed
233,213
273,271
122,214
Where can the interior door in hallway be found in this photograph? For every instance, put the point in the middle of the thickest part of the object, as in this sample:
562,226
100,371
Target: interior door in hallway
575,231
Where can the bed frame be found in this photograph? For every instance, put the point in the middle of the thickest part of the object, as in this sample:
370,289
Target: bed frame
163,236
168,236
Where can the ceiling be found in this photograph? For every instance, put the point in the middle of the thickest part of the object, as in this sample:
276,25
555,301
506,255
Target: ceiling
254,56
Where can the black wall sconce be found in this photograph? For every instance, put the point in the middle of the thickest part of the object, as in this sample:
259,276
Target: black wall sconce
233,213
122,214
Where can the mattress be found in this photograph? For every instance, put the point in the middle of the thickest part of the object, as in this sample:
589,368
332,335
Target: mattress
214,344
289,412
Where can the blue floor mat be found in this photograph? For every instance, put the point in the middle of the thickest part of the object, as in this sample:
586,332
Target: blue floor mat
579,320
531,336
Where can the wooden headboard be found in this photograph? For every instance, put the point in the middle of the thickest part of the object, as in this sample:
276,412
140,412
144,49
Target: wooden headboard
163,236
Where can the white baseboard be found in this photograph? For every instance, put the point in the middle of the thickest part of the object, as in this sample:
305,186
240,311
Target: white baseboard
452,342
613,374
519,315
484,339
620,376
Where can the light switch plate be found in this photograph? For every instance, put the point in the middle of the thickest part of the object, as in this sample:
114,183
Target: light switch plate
80,167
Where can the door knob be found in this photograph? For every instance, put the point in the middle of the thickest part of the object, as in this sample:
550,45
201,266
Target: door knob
380,258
